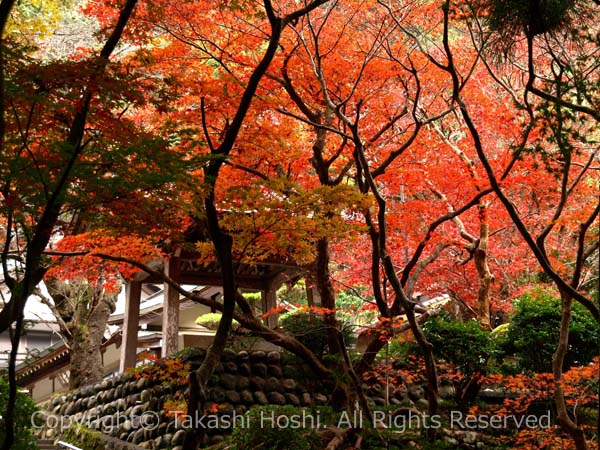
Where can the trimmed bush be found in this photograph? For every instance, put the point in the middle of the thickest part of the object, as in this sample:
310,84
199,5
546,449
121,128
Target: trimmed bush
463,344
310,329
534,330
211,321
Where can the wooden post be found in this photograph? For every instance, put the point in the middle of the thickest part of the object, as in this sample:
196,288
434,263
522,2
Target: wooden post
269,300
313,298
170,318
131,319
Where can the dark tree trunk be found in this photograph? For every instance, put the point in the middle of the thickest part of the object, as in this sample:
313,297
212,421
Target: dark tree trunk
558,360
9,414
468,392
327,294
345,393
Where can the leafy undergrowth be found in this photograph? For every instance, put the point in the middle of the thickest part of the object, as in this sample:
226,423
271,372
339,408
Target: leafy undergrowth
522,416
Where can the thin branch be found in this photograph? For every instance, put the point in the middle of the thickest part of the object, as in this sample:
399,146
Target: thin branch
247,169
508,205
433,226
204,126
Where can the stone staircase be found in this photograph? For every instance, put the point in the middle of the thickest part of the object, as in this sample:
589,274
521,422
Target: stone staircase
46,444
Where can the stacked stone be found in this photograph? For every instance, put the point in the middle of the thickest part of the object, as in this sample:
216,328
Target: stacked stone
131,409
402,394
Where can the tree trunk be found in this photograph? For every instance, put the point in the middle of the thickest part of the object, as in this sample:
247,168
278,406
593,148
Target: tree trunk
327,294
345,393
82,310
86,358
558,360
198,379
485,277
469,390
341,395
9,414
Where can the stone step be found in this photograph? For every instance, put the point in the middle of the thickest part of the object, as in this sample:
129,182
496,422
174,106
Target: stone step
46,444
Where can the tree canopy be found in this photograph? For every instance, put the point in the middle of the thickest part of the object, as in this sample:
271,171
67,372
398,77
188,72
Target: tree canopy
401,149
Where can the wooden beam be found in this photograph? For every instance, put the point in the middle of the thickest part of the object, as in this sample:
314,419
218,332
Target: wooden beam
131,319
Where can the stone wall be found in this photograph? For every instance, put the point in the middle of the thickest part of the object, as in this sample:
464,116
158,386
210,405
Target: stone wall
129,407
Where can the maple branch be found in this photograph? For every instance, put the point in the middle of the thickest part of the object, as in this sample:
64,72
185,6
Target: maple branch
369,55
595,113
412,35
588,252
25,147
34,270
480,49
343,145
343,172
64,329
316,33
581,246
292,17
5,8
584,169
464,304
69,254
380,170
8,278
317,125
461,154
243,107
508,205
315,119
376,284
541,239
277,25
287,84
250,170
388,125
194,43
412,281
211,147
459,223
451,215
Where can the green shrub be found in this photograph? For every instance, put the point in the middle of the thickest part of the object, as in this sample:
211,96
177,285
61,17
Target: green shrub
187,354
211,321
467,347
534,330
259,431
24,409
464,344
310,330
